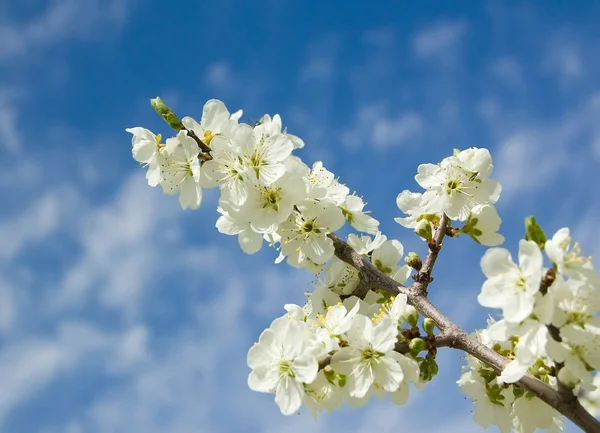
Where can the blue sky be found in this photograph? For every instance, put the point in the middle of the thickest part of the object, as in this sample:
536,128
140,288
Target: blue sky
119,312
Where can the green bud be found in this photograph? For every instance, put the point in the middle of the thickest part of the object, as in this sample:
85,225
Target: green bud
518,392
414,261
533,232
412,316
428,325
165,112
428,369
433,367
417,345
423,229
424,371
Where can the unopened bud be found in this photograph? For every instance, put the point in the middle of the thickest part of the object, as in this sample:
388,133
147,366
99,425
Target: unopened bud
428,325
414,261
417,345
424,229
165,112
433,367
412,316
518,392
533,232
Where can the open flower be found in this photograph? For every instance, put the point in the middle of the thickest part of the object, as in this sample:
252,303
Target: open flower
304,234
510,287
458,184
370,357
283,361
181,170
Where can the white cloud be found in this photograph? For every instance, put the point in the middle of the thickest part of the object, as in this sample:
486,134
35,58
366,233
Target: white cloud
374,126
389,132
43,217
219,75
508,70
30,365
320,69
535,154
61,20
564,57
7,307
439,40
320,60
120,243
25,368
9,135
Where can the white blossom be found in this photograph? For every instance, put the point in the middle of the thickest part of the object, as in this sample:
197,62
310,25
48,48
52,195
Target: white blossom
352,208
363,245
215,120
181,170
483,224
304,234
510,287
458,184
370,357
282,362
146,150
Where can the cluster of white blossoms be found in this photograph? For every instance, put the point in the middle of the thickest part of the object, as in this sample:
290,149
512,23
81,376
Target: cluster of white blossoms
265,191
550,329
507,406
460,187
339,347
345,352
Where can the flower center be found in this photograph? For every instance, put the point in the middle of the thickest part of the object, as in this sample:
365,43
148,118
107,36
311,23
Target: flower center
371,355
285,368
271,198
308,227
452,186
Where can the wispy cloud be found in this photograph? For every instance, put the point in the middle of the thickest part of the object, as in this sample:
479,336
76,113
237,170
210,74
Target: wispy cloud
60,21
37,222
376,127
439,40
320,60
552,147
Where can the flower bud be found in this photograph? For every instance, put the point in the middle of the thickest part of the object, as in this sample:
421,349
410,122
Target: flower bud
518,392
433,367
411,316
533,232
424,229
417,345
414,261
165,112
428,325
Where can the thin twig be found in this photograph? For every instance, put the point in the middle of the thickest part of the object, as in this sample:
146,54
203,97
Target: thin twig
423,277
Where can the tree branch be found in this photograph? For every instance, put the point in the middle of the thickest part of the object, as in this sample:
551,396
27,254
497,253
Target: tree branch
456,337
423,277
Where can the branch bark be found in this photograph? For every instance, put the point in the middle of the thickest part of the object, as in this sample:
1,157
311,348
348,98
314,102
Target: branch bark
423,277
453,335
